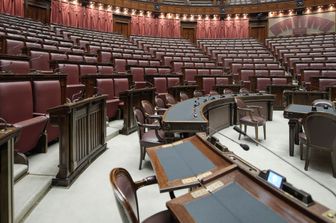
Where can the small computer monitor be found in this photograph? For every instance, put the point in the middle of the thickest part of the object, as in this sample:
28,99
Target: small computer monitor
275,179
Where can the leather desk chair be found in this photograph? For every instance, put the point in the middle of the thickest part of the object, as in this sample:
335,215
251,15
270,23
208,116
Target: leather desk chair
248,117
183,96
160,105
198,93
170,100
227,91
149,134
125,193
317,139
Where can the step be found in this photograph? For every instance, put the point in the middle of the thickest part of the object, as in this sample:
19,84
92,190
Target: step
28,192
19,171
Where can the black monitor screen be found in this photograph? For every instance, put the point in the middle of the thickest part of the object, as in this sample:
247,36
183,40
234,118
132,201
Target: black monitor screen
275,179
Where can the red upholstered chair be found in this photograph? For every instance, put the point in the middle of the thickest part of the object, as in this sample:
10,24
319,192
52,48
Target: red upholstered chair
216,71
14,66
160,105
120,65
47,94
151,70
279,81
58,56
328,73
144,63
208,84
154,63
90,59
262,83
202,71
138,74
51,47
245,75
104,56
39,60
106,86
125,193
17,108
189,75
262,72
75,58
33,45
277,73
160,83
13,47
250,115
120,85
222,81
324,83
163,70
177,67
173,81
272,66
73,84
307,74
102,69
85,69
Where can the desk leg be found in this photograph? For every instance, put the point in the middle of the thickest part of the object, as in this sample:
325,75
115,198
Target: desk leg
292,127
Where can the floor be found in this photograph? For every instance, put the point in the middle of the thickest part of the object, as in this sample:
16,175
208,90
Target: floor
90,198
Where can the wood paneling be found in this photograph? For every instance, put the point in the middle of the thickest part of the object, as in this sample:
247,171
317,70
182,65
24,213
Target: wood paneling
188,31
259,33
122,25
38,10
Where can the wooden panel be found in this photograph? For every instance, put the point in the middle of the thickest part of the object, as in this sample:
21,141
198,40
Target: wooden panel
122,25
188,31
38,10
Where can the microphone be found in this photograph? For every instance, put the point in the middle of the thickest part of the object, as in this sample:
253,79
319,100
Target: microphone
210,137
237,129
77,96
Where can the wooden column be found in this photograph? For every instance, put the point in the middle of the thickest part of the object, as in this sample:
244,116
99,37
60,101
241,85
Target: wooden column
7,139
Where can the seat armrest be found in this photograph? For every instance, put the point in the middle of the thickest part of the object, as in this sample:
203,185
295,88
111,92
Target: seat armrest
146,181
150,126
157,117
39,114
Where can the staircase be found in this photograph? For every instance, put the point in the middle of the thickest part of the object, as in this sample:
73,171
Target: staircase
33,183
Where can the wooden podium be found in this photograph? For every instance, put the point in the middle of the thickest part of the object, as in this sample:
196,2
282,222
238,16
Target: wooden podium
7,139
82,127
133,98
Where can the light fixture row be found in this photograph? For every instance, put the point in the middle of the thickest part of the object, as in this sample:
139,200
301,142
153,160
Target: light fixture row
125,11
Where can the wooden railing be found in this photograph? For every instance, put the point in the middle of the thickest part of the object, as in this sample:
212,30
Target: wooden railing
82,135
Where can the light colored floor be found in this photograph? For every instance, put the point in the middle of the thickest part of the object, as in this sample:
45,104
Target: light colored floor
90,198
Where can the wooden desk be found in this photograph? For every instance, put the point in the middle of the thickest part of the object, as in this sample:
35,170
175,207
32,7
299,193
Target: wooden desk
303,97
271,203
209,113
294,112
219,163
132,98
188,89
82,127
7,139
277,90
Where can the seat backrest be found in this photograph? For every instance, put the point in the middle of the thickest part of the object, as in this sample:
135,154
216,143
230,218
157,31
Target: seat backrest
183,96
163,70
314,123
104,56
324,83
170,99
106,86
14,47
138,73
262,83
14,66
160,83
74,57
189,74
47,94
222,80
17,101
151,70
90,59
72,72
159,102
208,84
245,74
105,69
87,69
172,81
39,60
279,81
240,103
124,190
58,56
120,65
120,85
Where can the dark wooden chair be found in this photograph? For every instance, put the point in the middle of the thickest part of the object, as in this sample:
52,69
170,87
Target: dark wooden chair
125,193
150,112
198,93
318,134
160,105
149,134
183,96
170,100
250,115
227,91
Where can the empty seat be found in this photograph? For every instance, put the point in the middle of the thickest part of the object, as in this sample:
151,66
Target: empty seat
172,81
151,70
47,94
106,86
262,83
208,84
120,65
324,83
189,75
102,69
138,74
85,69
39,60
160,83
120,85
13,47
14,66
17,98
73,84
